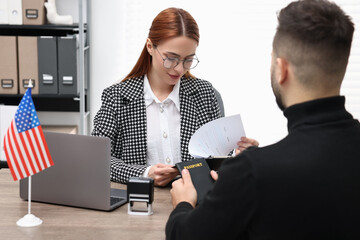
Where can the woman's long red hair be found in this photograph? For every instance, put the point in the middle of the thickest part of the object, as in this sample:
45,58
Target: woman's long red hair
169,23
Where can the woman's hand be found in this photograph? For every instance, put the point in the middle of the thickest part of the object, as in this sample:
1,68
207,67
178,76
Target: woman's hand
245,143
162,174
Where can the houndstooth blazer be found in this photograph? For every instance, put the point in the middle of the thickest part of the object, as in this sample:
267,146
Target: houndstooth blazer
122,118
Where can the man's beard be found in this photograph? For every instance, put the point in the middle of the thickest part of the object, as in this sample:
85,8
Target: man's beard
276,91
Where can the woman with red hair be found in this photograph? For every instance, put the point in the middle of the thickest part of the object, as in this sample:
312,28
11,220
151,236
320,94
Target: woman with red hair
151,114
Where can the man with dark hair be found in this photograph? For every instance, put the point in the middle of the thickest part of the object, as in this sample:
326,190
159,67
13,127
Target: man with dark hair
306,186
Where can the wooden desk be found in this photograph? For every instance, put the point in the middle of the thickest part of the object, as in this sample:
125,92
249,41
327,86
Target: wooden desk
61,222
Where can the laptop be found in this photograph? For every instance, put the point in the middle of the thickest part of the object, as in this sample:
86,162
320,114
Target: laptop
80,176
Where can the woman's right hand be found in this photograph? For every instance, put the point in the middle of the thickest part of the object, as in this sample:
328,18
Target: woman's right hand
162,174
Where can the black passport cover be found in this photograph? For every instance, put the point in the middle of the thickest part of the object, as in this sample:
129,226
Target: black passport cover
215,162
200,176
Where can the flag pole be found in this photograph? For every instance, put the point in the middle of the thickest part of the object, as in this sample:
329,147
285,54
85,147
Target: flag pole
29,220
29,195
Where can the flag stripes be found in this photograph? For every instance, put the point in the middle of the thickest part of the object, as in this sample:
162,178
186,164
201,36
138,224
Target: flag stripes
28,153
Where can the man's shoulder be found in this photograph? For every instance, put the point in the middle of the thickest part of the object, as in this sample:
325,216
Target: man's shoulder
265,157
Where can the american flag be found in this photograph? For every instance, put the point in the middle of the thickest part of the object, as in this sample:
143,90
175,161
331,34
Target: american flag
25,147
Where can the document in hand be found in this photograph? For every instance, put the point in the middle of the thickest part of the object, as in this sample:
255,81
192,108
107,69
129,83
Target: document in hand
217,138
210,145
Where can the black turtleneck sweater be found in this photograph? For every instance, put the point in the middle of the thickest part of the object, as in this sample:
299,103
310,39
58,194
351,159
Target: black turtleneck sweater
306,186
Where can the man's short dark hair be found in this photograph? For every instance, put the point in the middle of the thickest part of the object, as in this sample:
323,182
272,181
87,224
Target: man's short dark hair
315,37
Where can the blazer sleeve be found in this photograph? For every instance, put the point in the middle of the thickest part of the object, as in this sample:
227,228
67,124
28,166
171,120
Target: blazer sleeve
121,172
226,210
106,125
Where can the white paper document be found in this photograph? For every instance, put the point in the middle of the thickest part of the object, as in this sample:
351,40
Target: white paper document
217,138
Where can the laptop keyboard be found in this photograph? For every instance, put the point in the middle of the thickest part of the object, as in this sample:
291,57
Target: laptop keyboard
114,200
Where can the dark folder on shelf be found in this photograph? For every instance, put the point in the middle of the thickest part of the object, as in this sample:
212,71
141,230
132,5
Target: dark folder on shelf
200,176
67,62
47,59
8,65
28,64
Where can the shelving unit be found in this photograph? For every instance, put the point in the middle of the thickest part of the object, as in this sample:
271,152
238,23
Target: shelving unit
59,103
81,69
45,102
38,30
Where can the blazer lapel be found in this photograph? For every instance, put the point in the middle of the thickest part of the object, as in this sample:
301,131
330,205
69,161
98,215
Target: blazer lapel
193,114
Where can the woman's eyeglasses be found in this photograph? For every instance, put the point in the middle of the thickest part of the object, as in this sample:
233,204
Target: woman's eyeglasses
172,62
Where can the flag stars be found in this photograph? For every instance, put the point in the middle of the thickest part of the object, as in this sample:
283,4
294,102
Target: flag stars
26,117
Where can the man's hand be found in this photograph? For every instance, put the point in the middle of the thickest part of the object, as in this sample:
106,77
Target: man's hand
214,175
245,143
183,190
162,174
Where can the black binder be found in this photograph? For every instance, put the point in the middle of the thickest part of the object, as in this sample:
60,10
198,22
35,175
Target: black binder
67,62
47,57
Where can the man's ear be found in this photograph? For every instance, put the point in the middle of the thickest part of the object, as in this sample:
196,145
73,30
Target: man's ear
149,46
283,70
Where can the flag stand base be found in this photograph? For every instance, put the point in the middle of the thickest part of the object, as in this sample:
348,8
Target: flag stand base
29,220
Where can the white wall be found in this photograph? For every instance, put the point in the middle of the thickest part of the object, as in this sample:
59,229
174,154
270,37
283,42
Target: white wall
106,50
234,53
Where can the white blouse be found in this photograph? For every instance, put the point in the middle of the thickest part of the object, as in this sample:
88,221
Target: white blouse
163,127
